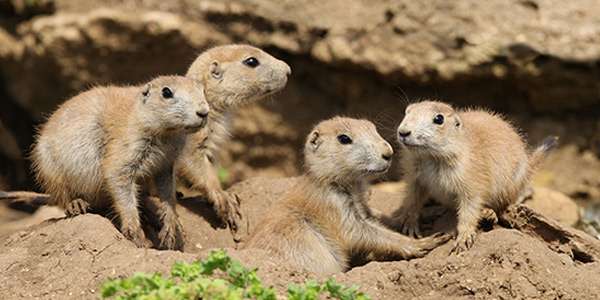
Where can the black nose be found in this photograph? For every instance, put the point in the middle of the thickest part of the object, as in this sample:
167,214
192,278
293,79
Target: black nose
403,133
386,156
202,114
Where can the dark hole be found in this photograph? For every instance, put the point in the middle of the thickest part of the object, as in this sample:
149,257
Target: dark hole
581,256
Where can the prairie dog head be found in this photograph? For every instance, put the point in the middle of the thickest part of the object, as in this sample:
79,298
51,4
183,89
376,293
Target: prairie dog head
345,150
235,75
429,127
174,103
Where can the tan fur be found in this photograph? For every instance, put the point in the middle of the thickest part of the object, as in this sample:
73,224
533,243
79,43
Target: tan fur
229,84
106,146
473,161
325,218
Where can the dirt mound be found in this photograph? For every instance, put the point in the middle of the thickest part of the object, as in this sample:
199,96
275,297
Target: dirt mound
70,258
503,264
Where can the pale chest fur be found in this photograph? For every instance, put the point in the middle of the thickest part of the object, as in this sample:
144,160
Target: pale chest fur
352,211
443,182
154,154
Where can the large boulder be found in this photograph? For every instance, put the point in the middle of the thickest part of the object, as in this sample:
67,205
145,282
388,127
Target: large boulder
64,54
538,52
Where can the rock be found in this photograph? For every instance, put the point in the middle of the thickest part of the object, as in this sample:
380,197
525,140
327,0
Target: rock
571,171
425,42
65,53
554,205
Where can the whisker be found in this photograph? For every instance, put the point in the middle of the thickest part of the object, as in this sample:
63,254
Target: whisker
403,96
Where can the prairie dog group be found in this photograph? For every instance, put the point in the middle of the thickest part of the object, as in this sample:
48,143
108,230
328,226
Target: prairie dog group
112,147
325,218
107,146
233,76
468,160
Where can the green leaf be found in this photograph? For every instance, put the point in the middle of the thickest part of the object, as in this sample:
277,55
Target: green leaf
217,277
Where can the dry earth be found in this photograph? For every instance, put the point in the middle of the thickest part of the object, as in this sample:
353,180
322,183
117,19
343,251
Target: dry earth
70,258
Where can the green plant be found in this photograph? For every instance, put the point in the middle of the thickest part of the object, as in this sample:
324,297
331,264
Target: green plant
223,175
311,291
217,277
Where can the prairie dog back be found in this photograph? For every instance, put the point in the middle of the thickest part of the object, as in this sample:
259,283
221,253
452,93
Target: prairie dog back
69,146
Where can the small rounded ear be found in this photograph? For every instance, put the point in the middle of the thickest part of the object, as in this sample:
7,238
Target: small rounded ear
315,140
215,70
146,92
457,121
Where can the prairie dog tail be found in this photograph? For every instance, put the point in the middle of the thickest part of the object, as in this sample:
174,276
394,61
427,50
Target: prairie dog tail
31,198
538,155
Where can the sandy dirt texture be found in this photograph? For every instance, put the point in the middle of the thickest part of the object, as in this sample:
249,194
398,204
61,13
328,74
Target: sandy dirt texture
533,258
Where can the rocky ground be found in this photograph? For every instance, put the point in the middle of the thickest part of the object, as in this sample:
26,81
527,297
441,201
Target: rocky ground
70,258
536,61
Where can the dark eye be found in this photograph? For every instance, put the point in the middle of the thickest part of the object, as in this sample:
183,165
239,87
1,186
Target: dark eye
439,119
344,139
167,93
251,62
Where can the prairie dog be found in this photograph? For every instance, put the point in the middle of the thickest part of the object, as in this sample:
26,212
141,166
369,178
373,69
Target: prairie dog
325,218
468,160
106,146
233,76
